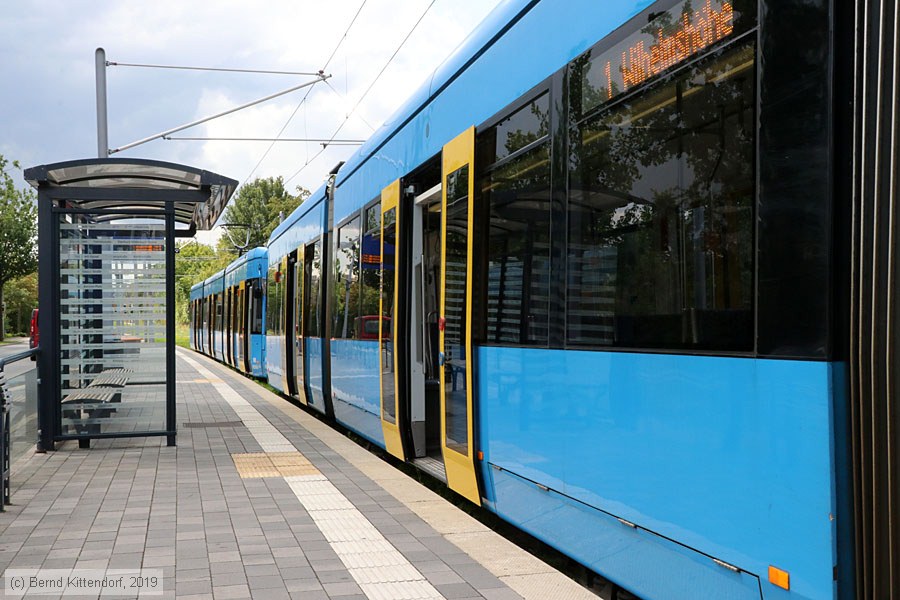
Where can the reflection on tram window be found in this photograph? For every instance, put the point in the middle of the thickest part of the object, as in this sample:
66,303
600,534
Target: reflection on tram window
345,292
515,132
388,396
455,284
370,262
661,226
513,290
256,322
274,302
313,267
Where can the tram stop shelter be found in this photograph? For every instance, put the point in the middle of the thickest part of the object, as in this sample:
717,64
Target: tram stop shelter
106,275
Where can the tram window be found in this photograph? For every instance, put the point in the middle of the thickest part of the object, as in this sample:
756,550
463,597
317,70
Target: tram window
273,303
522,128
220,322
373,217
513,287
256,323
345,300
661,225
369,268
313,256
389,397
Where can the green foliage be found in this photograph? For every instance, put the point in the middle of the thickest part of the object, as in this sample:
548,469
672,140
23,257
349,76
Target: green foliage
260,204
18,230
21,296
194,263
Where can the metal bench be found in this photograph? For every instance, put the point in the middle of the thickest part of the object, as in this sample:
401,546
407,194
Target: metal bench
89,404
93,402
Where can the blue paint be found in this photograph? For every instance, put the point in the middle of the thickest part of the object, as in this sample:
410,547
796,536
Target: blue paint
251,265
843,482
355,387
729,456
274,369
506,70
215,284
315,393
648,565
299,227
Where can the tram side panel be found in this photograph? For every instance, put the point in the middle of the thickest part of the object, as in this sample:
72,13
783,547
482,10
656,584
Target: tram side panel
354,299
294,300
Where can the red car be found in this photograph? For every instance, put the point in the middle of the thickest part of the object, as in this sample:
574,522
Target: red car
34,337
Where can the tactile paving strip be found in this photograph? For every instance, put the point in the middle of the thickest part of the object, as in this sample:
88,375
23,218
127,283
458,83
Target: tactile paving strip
272,464
381,571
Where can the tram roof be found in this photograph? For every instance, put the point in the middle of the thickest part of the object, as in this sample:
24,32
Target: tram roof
198,196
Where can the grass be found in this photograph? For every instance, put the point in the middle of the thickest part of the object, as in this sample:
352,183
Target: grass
182,335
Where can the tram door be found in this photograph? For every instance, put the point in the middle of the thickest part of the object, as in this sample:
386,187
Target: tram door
388,342
239,318
286,354
410,276
229,326
423,277
250,300
289,271
456,382
297,328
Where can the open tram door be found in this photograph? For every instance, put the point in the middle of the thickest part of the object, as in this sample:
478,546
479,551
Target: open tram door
249,296
298,323
229,326
239,318
455,323
388,342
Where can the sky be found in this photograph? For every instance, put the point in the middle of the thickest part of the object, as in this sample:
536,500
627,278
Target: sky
47,76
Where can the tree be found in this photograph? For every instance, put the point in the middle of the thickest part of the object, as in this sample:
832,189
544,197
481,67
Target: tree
193,264
21,297
18,233
260,205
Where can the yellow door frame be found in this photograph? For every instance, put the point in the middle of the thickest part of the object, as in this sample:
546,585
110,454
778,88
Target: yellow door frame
460,468
390,199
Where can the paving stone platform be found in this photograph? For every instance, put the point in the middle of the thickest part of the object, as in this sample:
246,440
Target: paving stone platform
258,500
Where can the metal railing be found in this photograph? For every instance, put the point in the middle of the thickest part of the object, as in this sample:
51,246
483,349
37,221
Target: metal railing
28,382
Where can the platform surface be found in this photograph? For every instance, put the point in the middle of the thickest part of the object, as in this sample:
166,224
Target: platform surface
258,500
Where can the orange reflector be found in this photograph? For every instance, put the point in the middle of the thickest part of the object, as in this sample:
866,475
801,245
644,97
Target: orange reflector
480,455
780,578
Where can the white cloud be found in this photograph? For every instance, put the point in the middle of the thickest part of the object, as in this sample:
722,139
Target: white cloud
46,63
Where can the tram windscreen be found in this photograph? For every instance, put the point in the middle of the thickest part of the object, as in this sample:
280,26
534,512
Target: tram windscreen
661,212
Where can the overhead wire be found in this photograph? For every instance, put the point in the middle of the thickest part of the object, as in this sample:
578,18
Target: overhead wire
305,96
368,89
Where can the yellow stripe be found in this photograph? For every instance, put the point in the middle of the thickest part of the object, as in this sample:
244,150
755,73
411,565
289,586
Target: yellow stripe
458,153
390,199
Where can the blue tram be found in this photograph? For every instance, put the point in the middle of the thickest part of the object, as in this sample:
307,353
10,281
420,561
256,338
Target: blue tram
228,311
617,273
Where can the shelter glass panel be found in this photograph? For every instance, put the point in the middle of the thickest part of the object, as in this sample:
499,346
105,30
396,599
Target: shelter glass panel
112,332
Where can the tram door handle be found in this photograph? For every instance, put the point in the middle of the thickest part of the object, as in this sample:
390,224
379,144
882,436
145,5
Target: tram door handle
420,315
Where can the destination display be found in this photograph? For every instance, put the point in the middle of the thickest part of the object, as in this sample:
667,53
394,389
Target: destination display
670,38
